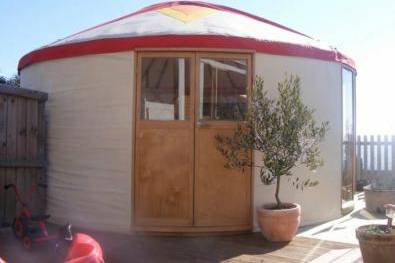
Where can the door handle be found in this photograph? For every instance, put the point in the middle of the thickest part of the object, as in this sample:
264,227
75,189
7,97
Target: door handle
201,124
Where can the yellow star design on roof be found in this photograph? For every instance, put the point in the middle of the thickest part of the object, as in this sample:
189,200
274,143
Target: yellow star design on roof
187,13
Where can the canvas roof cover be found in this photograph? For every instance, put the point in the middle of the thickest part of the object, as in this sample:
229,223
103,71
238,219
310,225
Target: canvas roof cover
187,24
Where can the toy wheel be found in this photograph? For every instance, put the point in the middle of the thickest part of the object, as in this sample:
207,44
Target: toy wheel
27,242
18,228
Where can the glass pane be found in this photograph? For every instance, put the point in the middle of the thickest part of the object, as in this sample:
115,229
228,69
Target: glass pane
348,138
165,88
223,89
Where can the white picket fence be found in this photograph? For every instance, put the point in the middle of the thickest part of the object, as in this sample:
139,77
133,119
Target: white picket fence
375,156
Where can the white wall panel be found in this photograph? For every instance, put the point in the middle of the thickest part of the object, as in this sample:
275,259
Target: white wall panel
89,137
321,90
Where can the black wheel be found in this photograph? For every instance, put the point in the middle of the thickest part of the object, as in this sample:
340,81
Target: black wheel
18,228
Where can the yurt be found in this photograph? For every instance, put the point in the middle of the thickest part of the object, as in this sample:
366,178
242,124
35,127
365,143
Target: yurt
134,105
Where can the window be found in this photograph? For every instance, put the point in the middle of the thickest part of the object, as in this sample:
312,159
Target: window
223,89
165,88
348,144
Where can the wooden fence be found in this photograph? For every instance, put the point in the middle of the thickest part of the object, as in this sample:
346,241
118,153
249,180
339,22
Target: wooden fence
375,156
22,148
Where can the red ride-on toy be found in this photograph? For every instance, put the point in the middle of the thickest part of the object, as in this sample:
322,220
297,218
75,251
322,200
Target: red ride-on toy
27,227
78,248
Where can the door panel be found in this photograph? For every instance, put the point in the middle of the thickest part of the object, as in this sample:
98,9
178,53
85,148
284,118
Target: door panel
164,177
222,196
164,127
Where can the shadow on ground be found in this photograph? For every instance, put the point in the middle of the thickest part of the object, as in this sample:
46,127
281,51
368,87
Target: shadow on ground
135,248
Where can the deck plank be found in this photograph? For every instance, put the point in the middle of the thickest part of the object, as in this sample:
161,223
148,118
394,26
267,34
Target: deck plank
247,248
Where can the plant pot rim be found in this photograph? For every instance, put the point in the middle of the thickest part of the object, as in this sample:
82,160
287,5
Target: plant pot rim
363,233
268,208
370,188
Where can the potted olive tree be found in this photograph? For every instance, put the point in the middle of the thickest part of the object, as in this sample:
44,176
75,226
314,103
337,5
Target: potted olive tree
282,134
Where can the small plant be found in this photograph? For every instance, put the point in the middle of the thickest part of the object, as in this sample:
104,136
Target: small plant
282,130
378,229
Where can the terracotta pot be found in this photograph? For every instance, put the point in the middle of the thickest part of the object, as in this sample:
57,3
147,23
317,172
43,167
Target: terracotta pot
279,224
376,247
375,199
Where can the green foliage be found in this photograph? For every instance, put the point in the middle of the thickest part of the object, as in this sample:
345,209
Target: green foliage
379,229
12,81
282,130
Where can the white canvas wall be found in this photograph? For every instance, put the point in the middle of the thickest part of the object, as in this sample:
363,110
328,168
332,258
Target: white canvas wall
321,89
89,138
90,111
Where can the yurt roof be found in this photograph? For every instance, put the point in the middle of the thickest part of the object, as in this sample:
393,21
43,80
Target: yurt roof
187,24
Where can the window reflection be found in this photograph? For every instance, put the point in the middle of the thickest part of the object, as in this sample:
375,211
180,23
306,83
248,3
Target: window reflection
223,89
348,145
165,90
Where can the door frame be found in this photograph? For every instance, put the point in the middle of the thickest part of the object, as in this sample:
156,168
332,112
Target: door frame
347,209
172,52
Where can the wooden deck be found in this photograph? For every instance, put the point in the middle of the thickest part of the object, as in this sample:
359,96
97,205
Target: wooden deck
238,248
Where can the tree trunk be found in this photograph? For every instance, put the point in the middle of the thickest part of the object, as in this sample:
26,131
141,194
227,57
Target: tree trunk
277,192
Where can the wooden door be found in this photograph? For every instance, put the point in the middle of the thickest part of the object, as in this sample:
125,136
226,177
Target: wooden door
183,100
222,196
164,154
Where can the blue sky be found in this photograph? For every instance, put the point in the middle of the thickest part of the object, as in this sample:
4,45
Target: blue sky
364,30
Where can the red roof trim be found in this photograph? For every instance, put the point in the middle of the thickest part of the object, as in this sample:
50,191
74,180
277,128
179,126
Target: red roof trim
101,46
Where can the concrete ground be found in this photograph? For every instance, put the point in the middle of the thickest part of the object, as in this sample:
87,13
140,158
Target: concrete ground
343,229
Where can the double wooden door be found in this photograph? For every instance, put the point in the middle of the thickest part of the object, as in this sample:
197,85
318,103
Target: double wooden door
183,100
